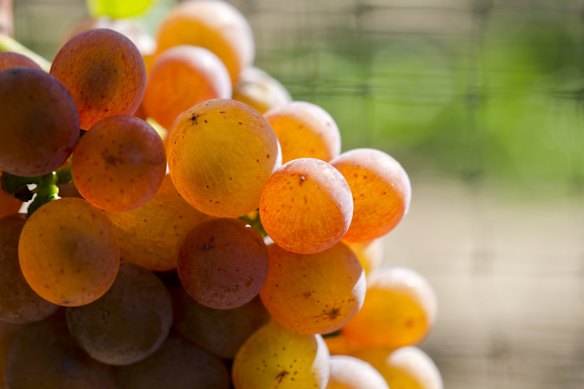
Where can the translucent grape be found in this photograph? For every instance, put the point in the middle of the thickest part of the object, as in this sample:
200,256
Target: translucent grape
381,192
223,263
18,302
177,364
182,77
220,155
104,72
305,130
306,206
68,253
400,309
119,164
150,236
314,293
351,373
260,90
39,122
128,323
370,253
10,60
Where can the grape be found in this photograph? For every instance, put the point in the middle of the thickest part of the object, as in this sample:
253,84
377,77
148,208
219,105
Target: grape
119,164
223,263
178,365
182,77
314,293
104,72
220,155
306,206
305,130
18,302
150,236
400,310
9,205
117,8
10,60
351,373
381,192
260,90
219,331
68,253
277,357
39,122
405,368
214,25
8,335
45,356
128,323
370,253
339,344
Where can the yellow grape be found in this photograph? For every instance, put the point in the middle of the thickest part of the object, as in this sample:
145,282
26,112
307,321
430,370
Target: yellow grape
313,293
400,309
68,252
348,372
305,130
220,155
381,192
370,253
275,357
260,90
306,206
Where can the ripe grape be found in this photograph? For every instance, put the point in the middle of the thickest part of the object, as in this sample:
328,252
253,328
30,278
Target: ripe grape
219,331
40,122
9,205
104,72
8,335
223,263
119,164
351,373
128,323
305,130
400,310
259,90
220,155
381,192
370,253
150,236
18,302
275,357
214,25
306,206
10,60
182,77
68,253
314,293
177,364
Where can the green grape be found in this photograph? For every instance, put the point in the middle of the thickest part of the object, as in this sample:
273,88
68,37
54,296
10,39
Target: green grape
118,9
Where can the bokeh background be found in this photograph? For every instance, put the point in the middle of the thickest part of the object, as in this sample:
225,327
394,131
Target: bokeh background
482,101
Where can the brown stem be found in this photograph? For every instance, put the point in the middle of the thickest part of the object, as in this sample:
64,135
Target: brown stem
6,18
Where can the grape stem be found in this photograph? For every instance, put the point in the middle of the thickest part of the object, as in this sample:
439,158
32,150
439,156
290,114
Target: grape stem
256,223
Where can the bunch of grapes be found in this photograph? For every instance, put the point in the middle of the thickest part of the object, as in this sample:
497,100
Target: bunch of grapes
184,224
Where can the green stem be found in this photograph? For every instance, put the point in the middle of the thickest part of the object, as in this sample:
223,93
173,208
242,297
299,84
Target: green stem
256,223
46,191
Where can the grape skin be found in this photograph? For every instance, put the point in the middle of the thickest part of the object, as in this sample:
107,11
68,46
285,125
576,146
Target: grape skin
348,372
10,60
260,90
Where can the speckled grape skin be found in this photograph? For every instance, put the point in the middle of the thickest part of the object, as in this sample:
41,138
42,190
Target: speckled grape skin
10,60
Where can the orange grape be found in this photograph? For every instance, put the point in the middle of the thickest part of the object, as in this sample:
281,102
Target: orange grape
223,263
370,253
104,72
40,122
306,206
260,90
182,77
220,155
339,344
214,25
348,372
305,130
381,192
9,205
313,293
150,236
275,357
119,164
68,253
400,309
10,60
18,302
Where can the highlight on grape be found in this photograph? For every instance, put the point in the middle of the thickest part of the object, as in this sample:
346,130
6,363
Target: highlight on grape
172,218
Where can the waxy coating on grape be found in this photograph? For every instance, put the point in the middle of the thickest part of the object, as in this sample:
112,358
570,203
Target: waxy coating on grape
381,192
260,90
104,72
68,253
11,60
223,263
313,293
306,206
40,124
220,155
348,372
119,164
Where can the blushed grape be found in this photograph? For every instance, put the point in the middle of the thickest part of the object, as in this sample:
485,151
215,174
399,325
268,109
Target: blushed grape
10,60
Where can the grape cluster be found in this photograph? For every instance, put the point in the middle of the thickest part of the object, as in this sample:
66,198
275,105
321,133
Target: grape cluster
171,219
